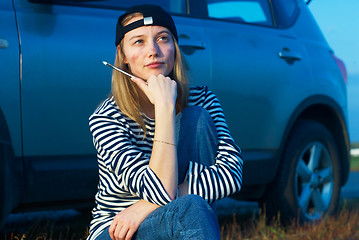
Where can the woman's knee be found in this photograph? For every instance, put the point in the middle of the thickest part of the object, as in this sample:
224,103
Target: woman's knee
196,122
196,114
202,121
193,203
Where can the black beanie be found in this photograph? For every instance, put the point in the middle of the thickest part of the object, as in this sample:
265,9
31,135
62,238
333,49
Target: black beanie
152,15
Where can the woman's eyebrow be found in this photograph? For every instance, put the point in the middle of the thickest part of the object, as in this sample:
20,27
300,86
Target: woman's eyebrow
136,36
163,31
142,35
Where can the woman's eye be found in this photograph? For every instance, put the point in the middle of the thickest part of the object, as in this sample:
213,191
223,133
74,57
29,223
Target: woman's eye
163,38
139,41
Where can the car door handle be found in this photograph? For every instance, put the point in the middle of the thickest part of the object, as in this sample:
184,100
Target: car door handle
287,54
189,43
4,43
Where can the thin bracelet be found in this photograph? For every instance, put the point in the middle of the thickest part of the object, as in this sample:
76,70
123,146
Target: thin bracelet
160,141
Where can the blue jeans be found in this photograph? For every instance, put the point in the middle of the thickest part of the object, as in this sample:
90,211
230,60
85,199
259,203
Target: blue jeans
196,139
190,216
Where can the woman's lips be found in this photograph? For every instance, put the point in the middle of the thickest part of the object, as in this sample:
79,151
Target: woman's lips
155,64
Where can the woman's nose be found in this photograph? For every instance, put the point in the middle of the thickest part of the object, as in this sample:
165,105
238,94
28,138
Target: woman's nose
153,49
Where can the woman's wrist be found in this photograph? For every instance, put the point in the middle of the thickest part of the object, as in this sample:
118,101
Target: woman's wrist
164,142
165,125
165,107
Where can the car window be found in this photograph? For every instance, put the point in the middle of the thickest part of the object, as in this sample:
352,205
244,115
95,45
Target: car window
172,6
285,12
245,11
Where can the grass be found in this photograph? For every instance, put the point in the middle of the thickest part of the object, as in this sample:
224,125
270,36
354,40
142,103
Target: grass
45,229
345,225
47,232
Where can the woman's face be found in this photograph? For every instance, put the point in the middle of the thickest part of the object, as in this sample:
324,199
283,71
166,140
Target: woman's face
149,50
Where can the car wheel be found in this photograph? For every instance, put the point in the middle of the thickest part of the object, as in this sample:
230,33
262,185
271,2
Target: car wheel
307,185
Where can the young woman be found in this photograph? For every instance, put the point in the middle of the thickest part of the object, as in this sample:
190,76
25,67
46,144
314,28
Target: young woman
164,150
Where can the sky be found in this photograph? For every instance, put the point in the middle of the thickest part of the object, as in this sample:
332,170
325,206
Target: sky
339,22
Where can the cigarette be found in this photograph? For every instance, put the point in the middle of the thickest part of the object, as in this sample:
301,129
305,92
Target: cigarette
120,70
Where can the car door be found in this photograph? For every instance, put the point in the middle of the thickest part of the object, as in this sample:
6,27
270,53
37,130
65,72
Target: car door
256,71
10,120
64,81
9,73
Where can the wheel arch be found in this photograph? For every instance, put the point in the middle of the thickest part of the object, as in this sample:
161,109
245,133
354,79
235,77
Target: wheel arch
325,110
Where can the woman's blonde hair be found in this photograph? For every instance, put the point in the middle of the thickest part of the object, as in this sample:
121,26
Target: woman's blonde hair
127,94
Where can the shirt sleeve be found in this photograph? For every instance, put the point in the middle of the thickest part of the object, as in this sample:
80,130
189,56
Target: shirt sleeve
124,160
224,178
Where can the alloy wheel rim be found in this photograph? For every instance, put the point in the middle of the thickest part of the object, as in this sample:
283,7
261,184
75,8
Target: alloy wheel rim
314,180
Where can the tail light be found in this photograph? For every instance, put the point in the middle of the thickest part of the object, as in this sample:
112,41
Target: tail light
342,67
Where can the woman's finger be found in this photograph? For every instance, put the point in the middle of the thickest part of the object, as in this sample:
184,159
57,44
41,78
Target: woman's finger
130,233
142,84
112,229
119,229
123,233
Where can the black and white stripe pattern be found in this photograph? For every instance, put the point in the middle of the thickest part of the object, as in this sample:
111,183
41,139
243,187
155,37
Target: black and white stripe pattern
124,153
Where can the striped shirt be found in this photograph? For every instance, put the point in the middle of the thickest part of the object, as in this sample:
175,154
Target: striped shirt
123,156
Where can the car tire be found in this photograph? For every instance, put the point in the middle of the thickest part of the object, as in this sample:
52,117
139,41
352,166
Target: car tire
307,185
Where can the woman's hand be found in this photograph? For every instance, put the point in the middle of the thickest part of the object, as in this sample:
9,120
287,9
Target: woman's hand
126,222
158,89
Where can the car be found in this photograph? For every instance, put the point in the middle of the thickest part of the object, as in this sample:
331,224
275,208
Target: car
281,87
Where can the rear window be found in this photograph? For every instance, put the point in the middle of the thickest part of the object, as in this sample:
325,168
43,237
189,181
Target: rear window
244,11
